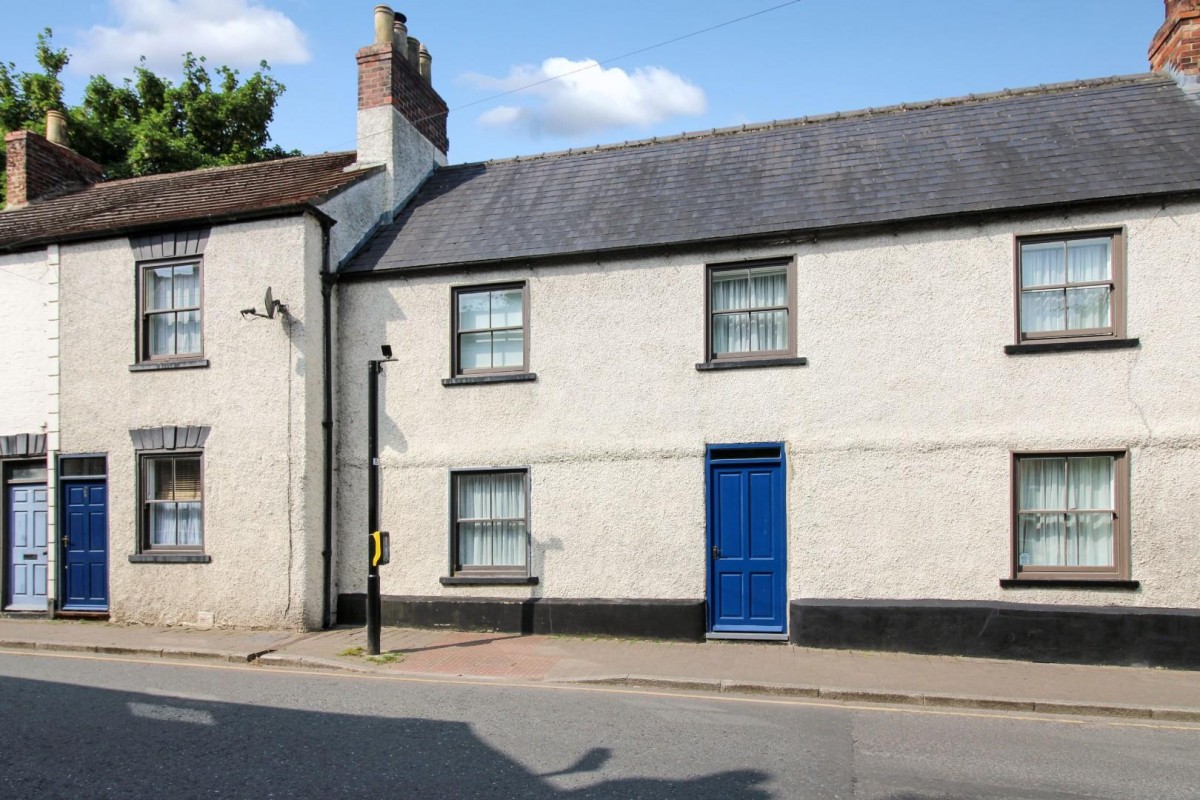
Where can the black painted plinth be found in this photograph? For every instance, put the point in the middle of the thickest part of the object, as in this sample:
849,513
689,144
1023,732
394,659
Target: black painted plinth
1068,634
681,620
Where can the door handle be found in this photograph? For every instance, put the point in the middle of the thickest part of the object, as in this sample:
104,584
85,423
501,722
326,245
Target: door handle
66,541
716,552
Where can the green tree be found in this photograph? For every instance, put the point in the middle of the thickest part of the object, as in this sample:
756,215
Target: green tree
148,124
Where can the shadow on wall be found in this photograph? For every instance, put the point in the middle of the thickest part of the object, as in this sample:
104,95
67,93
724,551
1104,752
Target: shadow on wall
127,744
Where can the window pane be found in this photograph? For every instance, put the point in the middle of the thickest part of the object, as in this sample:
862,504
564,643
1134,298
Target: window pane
159,479
187,286
79,467
187,332
768,330
1088,260
1090,482
507,308
31,473
768,287
187,479
508,349
731,333
188,525
491,544
1042,264
475,351
158,288
1088,308
1043,311
1089,541
474,311
162,334
730,290
474,496
1041,540
1042,483
162,523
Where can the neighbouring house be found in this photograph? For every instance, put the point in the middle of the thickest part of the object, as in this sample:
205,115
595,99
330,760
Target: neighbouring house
912,378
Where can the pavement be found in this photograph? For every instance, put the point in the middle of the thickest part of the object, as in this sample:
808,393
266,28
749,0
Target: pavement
719,666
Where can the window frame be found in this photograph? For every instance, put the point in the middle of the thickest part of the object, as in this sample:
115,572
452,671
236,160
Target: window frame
144,545
1120,569
456,369
457,570
144,315
789,263
1117,297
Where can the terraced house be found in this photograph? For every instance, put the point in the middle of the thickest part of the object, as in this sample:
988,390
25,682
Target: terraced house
911,378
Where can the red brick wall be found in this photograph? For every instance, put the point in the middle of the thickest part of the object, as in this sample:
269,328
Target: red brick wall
385,77
38,170
1176,45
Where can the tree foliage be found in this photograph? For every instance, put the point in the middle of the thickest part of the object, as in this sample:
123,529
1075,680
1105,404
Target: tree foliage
148,124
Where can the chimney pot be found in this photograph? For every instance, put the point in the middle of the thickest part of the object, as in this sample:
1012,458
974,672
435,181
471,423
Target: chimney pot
384,17
414,47
400,35
56,128
425,64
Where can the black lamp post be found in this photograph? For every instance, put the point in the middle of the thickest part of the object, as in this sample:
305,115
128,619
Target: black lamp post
375,543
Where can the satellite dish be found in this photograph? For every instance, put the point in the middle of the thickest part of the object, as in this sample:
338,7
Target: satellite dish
269,304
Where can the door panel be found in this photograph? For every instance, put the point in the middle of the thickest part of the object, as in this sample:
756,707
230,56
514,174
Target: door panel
748,564
85,550
29,550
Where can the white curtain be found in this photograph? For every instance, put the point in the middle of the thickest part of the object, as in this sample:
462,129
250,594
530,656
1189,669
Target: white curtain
491,519
1042,264
1062,535
737,290
1088,260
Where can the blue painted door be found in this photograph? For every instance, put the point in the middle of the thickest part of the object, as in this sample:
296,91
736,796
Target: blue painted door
28,548
85,546
747,546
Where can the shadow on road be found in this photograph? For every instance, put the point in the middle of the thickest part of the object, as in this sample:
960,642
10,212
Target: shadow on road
63,740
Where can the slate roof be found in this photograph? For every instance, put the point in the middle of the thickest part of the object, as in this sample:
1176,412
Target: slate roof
117,207
1090,140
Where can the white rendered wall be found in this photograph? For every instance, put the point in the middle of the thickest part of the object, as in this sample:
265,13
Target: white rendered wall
28,341
261,397
897,433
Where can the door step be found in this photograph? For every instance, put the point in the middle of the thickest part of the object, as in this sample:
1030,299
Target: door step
66,614
747,637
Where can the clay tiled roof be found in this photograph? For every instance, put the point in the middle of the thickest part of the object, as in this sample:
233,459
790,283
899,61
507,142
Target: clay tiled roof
221,193
1089,141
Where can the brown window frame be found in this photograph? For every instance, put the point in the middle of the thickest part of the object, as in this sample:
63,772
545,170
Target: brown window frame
455,365
144,504
1117,282
456,567
750,355
1120,569
144,315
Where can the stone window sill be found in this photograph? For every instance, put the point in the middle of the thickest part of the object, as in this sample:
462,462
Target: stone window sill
1070,347
472,380
170,558
751,363
1067,583
155,366
489,580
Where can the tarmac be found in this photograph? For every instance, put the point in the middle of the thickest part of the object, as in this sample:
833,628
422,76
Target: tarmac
778,669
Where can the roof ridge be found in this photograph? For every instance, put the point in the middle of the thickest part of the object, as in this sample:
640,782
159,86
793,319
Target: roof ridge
837,116
207,170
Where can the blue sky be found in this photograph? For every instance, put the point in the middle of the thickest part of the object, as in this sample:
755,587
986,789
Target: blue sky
810,57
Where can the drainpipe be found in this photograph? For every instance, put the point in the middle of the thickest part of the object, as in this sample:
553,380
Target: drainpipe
327,428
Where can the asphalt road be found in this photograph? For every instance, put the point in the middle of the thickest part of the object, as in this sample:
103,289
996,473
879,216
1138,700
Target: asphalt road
79,727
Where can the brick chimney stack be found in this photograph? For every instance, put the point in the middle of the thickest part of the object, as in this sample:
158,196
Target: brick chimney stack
1175,48
40,168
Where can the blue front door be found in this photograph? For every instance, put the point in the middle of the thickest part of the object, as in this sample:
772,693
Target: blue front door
747,539
85,546
28,548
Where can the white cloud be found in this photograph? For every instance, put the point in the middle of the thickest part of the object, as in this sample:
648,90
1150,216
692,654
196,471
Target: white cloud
237,33
586,98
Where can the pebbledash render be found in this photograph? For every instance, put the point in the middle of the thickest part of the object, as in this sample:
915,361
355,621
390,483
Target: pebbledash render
915,378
